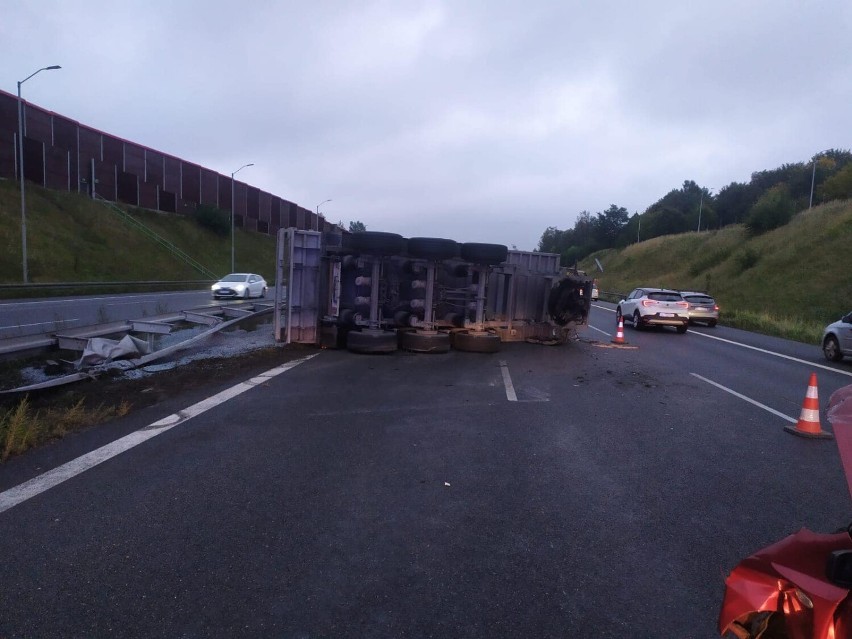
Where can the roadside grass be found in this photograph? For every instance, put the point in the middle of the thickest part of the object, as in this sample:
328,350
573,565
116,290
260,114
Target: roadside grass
72,238
22,427
790,282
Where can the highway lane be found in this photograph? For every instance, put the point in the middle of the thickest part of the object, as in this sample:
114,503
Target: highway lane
20,318
582,490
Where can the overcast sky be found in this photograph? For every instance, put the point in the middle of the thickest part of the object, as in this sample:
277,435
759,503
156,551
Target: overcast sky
484,121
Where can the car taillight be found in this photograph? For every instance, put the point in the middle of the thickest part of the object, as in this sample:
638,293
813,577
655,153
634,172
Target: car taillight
644,302
680,304
715,307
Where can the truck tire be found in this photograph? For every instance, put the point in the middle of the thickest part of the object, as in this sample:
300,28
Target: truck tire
378,243
476,342
425,342
432,248
487,254
566,302
371,341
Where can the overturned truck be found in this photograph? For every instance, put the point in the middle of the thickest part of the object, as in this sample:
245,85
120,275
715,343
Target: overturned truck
375,292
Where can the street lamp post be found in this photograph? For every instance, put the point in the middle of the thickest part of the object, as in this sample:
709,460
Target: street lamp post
319,205
21,168
813,180
233,190
701,206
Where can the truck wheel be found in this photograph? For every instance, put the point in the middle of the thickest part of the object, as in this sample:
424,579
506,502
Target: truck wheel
488,254
378,242
425,342
371,341
432,248
476,342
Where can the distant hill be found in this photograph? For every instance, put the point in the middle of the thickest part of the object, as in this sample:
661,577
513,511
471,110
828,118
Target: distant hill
790,281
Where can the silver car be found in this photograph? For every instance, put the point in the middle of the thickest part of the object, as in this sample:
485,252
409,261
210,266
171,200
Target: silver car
240,285
654,307
702,308
837,339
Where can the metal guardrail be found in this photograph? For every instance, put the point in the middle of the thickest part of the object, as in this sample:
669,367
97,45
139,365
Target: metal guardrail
53,285
174,250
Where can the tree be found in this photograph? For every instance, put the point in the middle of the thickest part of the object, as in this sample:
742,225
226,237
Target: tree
773,209
609,224
838,186
357,227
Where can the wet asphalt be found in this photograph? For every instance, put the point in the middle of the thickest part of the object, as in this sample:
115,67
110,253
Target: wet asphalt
407,496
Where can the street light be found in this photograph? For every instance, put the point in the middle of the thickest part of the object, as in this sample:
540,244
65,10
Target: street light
232,211
319,205
813,179
701,206
21,167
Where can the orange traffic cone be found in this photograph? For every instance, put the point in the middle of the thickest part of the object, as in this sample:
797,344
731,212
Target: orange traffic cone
808,424
619,335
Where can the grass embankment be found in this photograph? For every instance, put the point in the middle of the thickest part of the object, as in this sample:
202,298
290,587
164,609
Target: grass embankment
22,427
72,238
789,282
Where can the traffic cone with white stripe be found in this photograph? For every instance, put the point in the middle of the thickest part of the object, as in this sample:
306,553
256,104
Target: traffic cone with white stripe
619,335
808,424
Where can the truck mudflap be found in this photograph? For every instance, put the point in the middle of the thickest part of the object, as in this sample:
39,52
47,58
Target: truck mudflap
570,300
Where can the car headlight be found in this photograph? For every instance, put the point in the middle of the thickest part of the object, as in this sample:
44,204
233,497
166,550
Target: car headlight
215,287
240,287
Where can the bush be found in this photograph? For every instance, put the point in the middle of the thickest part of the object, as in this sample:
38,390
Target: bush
774,208
214,219
747,258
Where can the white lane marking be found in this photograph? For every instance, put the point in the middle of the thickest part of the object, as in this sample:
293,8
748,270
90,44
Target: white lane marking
48,480
62,321
760,350
507,382
95,299
748,399
763,350
599,330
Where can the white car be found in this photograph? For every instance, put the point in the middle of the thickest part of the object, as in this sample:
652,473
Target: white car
837,339
240,285
654,307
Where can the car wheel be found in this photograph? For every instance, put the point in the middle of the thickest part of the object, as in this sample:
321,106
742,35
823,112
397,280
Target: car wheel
682,328
476,342
618,316
263,292
712,323
637,321
831,349
246,295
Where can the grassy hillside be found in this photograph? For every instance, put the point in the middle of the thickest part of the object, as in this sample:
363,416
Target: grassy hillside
71,238
791,281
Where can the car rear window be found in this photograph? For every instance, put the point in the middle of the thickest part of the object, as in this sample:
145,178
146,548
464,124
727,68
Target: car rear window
665,297
699,299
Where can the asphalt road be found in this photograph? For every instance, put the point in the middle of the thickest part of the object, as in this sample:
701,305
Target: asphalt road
575,491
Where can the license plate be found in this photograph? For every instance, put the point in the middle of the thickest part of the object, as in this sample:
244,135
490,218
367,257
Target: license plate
666,314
